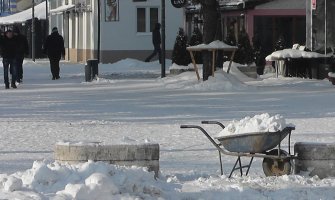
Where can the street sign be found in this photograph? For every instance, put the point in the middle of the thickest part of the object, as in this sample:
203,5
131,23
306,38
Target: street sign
313,4
178,3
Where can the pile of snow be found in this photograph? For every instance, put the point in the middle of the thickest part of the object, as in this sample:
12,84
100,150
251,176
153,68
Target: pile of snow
101,181
258,123
183,67
292,53
232,81
213,45
123,140
331,74
220,81
90,180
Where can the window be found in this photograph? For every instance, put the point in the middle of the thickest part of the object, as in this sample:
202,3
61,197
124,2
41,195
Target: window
141,20
153,17
146,19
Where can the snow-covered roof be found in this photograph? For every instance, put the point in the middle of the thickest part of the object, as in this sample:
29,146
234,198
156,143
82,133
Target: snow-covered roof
293,53
283,4
62,9
25,15
213,45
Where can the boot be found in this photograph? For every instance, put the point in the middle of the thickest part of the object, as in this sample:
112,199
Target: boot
13,85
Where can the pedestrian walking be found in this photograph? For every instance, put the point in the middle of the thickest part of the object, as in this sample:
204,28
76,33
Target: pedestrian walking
22,50
156,41
54,48
9,53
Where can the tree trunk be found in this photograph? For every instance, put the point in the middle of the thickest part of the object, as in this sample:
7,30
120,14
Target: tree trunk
210,14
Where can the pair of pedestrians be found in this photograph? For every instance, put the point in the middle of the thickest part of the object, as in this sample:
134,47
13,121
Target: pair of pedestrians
13,48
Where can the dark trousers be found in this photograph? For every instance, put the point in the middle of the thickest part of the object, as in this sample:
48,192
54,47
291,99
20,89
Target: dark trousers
9,63
54,66
19,68
156,50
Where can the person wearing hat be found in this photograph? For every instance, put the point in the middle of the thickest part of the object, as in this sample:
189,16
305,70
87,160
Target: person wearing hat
22,50
9,53
54,48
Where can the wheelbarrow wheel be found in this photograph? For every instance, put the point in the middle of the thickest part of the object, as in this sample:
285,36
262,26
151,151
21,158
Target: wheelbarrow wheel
276,167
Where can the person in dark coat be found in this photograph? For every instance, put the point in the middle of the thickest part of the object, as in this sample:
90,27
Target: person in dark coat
156,41
22,50
54,48
9,53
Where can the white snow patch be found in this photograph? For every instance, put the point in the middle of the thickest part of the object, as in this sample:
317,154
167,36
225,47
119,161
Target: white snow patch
259,123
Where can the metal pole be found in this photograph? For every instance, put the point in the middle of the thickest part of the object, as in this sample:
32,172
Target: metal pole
33,32
311,27
46,18
99,32
163,39
325,27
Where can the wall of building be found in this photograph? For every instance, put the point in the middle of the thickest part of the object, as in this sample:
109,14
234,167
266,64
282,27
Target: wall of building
122,34
119,38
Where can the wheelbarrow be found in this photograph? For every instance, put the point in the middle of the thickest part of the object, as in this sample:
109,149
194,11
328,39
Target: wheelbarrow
276,161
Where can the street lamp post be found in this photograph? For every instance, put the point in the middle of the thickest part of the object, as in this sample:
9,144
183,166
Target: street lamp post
46,18
325,27
163,40
33,32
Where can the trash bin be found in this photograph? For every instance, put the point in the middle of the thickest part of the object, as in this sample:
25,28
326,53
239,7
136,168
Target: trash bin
91,69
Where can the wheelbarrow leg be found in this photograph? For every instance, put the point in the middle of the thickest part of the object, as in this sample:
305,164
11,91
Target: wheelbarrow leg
234,168
238,160
252,158
220,163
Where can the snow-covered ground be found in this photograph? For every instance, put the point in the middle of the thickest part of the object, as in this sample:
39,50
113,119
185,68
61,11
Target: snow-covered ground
131,100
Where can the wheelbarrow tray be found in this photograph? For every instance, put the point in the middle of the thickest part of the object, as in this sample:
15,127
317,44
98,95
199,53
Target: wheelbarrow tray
258,142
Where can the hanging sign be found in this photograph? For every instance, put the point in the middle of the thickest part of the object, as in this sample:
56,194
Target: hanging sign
178,3
313,4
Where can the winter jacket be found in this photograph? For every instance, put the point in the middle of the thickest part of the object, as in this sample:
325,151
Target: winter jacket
54,46
9,47
22,45
156,37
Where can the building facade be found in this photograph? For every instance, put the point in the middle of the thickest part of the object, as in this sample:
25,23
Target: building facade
264,20
110,30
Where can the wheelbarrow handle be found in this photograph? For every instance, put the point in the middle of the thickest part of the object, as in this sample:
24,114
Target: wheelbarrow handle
189,126
204,132
213,122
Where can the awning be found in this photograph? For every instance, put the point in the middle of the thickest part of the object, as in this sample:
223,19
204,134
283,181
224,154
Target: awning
238,4
61,9
231,2
283,4
25,15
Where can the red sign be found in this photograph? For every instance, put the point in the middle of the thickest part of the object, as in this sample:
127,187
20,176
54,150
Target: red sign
313,4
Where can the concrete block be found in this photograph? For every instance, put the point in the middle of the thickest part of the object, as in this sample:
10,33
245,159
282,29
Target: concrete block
315,159
143,155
